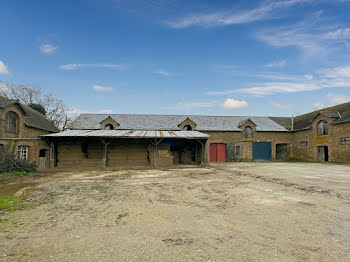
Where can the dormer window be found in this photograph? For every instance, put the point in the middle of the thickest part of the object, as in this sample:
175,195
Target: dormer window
248,132
187,128
109,124
322,128
109,127
11,123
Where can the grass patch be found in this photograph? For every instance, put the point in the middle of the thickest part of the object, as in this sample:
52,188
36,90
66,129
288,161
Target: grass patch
23,173
9,202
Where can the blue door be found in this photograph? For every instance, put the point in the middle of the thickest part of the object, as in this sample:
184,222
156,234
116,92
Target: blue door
261,151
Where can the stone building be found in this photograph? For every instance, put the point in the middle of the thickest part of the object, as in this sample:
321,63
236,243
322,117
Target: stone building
124,140
21,128
128,140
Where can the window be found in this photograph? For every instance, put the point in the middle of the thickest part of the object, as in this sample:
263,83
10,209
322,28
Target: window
345,141
109,127
11,123
187,128
23,152
322,128
248,132
303,144
239,151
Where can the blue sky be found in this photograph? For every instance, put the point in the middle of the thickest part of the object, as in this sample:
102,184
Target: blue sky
279,57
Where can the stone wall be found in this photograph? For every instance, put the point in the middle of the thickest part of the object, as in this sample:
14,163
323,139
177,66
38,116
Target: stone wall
238,139
26,136
337,152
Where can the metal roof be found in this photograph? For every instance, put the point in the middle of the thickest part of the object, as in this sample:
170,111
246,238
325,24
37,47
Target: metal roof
131,134
171,122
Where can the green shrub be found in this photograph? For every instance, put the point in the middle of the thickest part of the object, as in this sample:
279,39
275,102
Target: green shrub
230,148
9,202
10,164
38,108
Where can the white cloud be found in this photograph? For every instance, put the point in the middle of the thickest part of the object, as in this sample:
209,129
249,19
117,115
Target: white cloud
106,111
48,48
337,72
224,18
278,87
308,76
163,72
4,88
339,99
102,88
318,106
280,106
3,68
233,104
342,33
315,36
281,63
95,65
327,78
75,111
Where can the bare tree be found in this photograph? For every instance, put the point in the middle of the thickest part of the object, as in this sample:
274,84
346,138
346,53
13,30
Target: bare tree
56,110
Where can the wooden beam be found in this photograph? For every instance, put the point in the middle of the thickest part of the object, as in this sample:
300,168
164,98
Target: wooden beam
203,148
155,143
105,147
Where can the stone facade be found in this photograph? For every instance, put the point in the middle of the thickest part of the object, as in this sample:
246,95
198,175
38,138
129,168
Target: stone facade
25,136
337,152
237,139
89,153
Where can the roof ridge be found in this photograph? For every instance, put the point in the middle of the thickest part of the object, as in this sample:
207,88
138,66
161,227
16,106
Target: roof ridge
101,114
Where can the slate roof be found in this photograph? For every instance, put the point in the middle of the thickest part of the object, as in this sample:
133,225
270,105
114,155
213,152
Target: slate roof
286,122
171,122
32,118
339,113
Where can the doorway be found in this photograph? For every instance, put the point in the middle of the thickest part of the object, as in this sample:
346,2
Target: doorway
217,152
323,153
282,152
262,151
42,159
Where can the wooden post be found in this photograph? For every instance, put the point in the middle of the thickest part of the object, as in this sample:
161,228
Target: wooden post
104,159
52,153
203,148
155,152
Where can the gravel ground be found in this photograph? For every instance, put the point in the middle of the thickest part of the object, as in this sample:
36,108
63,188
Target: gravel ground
224,212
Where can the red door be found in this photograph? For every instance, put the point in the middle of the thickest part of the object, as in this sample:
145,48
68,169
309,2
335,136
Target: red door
217,152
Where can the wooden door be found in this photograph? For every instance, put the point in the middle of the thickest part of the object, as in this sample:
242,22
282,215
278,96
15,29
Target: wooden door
221,153
213,149
217,152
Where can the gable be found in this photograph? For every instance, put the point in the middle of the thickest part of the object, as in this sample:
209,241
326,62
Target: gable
247,122
109,121
187,122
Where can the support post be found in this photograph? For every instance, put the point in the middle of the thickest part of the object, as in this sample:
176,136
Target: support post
105,147
155,152
52,155
203,148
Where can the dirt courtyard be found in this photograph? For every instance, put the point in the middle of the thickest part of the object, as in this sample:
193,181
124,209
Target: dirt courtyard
223,212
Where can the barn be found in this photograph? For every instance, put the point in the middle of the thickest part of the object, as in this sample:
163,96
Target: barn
132,140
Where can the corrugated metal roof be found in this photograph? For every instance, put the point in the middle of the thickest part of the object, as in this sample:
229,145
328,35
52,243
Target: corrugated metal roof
131,134
171,122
